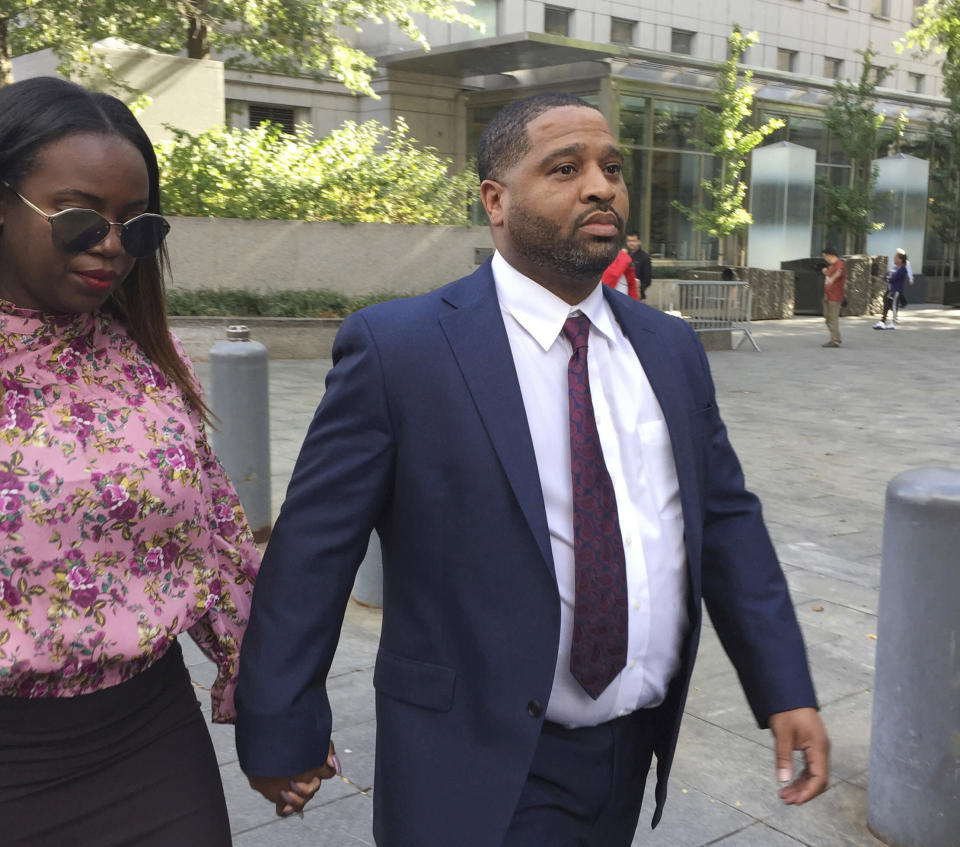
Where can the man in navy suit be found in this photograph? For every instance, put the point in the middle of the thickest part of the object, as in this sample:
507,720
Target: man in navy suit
554,491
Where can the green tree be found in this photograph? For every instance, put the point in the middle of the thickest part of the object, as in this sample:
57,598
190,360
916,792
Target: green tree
292,37
729,133
938,30
358,173
859,129
27,25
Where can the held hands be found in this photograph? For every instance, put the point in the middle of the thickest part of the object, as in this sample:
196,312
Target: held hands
801,729
292,793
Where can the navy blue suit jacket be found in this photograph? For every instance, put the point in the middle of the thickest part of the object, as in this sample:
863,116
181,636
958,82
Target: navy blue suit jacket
422,434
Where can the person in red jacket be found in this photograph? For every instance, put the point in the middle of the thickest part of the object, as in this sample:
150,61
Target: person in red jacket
834,283
621,275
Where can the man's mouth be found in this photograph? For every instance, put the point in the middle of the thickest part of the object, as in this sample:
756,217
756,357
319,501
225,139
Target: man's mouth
602,224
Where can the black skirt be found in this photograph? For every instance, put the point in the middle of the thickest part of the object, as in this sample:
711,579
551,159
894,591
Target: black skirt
132,764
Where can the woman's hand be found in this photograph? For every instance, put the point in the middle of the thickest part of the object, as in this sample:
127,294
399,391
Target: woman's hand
292,793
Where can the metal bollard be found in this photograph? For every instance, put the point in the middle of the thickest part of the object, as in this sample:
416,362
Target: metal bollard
241,440
913,798
368,586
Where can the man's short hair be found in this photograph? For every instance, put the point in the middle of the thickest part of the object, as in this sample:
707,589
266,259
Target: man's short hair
633,234
830,251
504,140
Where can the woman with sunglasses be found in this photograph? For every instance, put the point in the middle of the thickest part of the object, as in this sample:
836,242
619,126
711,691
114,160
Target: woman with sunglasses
118,528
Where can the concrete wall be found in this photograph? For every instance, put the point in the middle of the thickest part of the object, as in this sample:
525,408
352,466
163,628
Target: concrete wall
351,258
323,105
30,65
434,108
184,93
284,338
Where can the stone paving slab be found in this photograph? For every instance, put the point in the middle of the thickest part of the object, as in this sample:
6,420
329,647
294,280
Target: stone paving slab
757,835
343,822
819,432
727,767
837,820
693,818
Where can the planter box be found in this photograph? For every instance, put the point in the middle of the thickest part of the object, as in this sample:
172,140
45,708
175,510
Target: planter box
773,293
951,293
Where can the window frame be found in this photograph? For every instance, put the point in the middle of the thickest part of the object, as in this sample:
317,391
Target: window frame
623,22
255,109
558,10
792,54
683,33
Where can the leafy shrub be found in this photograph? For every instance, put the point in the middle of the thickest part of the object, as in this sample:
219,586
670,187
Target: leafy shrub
359,173
232,302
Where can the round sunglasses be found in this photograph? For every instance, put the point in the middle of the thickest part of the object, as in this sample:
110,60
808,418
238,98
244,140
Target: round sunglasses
77,230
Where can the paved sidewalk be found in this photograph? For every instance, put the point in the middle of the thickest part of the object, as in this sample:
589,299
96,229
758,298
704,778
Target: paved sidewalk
820,432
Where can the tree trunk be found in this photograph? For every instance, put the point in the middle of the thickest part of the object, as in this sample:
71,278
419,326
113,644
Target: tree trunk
198,38
6,67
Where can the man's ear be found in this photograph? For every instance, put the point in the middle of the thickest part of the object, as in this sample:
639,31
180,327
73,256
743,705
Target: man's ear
492,196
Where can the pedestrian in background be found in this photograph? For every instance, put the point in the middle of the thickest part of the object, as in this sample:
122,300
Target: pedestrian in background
893,299
834,285
642,265
119,531
906,263
620,275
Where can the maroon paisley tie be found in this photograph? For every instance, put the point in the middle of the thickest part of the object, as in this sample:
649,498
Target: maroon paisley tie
600,611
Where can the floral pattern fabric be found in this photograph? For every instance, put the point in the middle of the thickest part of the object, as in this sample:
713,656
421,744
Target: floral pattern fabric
118,527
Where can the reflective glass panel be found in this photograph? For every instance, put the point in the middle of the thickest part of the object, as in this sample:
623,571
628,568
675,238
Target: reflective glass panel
675,125
633,120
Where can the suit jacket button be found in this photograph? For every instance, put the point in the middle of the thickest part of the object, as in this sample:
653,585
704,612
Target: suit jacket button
534,709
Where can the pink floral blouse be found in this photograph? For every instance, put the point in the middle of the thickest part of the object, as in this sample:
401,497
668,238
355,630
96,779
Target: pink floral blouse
118,527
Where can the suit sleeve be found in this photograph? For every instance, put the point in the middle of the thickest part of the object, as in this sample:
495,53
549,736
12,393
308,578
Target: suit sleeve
744,587
338,490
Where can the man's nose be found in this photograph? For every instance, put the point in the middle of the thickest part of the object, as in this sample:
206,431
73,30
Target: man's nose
597,185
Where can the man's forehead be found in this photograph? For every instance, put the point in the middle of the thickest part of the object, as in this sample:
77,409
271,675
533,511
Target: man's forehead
562,121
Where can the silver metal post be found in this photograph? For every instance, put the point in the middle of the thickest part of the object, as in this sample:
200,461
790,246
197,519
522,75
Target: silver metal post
914,787
239,398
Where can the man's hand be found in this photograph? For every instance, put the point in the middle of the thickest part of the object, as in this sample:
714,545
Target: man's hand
292,793
801,729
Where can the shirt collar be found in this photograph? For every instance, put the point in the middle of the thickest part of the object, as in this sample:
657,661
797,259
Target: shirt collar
540,312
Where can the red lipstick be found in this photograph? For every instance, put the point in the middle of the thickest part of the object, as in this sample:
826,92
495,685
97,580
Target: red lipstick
98,279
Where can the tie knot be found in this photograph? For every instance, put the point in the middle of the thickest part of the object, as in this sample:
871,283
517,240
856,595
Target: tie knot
576,328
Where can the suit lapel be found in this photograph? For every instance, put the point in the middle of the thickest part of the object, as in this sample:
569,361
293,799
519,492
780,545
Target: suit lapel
478,339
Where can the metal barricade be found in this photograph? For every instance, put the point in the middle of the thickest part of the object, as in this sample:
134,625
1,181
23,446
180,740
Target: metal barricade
714,307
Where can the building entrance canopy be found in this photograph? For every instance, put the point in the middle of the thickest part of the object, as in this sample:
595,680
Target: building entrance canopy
501,54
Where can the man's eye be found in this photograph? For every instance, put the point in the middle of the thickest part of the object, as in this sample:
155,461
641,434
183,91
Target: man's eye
566,170
615,168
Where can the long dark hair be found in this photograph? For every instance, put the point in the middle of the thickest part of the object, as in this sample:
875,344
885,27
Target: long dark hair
36,112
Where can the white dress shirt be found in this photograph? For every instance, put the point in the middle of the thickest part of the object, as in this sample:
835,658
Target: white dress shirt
637,452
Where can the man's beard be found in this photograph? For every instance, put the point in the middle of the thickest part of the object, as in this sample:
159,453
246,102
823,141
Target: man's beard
540,241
